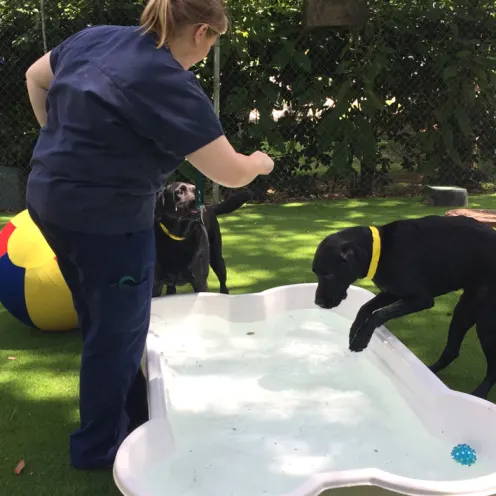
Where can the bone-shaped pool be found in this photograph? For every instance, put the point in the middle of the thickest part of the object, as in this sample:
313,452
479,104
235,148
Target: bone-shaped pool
258,395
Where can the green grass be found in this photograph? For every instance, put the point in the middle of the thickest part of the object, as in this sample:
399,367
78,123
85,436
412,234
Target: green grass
264,246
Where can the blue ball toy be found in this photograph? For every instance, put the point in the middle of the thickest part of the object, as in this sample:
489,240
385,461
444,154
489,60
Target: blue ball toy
464,454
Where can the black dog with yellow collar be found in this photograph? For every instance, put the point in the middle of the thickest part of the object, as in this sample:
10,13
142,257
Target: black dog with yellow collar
188,241
412,262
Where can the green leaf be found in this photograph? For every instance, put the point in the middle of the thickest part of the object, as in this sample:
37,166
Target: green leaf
236,101
450,72
489,62
343,67
463,54
341,156
463,121
448,139
282,58
375,102
366,143
343,90
329,126
481,78
303,61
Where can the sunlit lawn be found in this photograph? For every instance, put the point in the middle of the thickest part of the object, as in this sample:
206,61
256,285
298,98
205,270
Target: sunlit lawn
264,246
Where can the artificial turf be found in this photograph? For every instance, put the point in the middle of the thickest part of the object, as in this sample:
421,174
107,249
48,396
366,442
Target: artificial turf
264,246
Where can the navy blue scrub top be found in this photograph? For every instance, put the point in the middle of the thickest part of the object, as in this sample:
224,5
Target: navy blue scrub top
122,115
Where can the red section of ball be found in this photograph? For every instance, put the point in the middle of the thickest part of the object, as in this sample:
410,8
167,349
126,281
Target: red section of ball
4,237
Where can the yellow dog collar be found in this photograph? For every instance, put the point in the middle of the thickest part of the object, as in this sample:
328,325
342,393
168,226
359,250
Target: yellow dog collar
166,231
376,252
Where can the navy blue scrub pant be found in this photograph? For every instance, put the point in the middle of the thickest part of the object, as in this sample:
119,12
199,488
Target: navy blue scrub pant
110,278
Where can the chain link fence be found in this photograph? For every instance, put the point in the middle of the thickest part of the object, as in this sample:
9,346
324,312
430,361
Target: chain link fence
407,100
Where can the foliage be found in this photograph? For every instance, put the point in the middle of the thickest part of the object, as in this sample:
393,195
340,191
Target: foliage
418,78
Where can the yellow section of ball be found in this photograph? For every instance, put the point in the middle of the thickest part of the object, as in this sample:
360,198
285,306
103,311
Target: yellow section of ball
48,299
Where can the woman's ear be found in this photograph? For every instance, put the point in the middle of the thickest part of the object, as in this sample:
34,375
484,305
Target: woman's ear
200,32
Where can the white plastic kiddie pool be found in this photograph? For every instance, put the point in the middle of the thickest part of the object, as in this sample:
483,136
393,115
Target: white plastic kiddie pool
258,395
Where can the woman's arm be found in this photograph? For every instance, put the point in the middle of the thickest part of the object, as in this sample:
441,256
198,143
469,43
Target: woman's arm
222,164
38,79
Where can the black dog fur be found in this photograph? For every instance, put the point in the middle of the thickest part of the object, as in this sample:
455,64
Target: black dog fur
187,261
420,260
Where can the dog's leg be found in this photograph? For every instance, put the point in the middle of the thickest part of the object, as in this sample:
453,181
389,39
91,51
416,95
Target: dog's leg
219,267
171,290
463,319
365,312
361,338
488,344
485,326
157,288
217,261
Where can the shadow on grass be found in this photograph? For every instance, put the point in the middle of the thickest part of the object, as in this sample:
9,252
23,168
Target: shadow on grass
264,246
38,411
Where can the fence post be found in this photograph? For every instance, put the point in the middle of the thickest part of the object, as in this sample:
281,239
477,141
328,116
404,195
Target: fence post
43,26
215,189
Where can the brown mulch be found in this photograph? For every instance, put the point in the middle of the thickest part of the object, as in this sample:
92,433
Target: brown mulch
486,216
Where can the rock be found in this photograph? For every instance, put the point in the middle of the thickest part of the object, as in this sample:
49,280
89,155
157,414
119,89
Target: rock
445,196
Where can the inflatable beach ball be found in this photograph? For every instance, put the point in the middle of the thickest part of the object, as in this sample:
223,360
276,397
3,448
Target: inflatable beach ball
32,288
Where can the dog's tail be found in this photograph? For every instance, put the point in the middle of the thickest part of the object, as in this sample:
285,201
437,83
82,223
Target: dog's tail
231,204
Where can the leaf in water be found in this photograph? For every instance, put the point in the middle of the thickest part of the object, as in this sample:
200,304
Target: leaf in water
11,358
21,465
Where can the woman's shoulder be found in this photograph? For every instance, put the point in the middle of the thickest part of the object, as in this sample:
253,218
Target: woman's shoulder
131,57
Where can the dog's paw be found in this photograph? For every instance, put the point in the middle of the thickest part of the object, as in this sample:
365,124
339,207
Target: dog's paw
357,345
360,337
357,324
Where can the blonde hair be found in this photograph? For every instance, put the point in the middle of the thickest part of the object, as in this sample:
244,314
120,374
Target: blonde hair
166,17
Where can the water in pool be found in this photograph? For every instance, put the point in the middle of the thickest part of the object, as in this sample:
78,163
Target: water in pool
259,407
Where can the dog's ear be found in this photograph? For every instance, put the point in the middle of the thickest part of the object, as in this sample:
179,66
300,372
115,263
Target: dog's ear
168,197
347,252
353,255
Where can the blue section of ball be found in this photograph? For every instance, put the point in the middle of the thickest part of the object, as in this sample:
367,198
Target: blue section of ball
464,454
12,290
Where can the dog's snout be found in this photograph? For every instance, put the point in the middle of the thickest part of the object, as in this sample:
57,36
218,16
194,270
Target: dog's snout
184,192
319,302
179,191
320,299
325,299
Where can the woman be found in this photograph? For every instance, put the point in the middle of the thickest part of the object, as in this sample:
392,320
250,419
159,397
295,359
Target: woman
119,110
